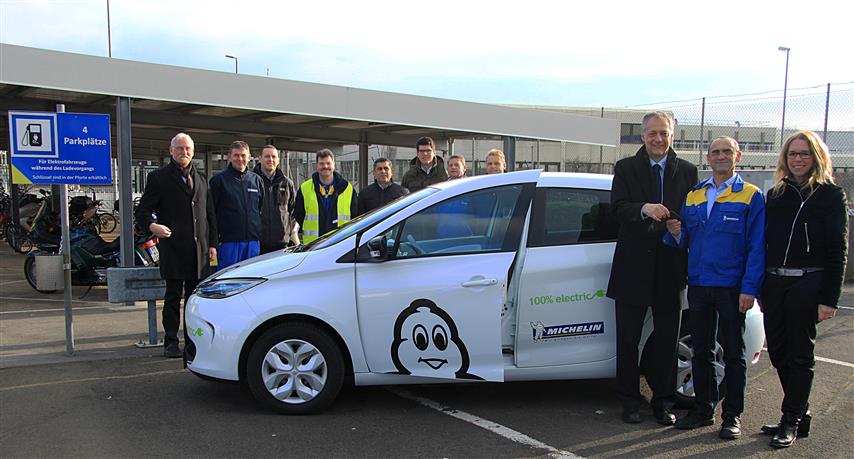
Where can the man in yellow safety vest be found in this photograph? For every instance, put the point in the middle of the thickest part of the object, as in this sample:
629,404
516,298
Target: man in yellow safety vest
325,201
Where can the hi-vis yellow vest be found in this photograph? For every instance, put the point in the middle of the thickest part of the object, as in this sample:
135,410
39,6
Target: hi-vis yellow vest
311,224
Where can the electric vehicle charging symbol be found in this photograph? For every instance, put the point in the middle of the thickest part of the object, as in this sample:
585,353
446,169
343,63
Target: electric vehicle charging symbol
32,135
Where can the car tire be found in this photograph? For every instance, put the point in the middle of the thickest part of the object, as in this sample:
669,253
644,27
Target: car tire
684,372
295,368
30,273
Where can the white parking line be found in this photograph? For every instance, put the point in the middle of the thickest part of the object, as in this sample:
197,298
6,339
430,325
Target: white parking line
24,311
826,360
493,427
53,300
844,307
82,380
12,282
836,362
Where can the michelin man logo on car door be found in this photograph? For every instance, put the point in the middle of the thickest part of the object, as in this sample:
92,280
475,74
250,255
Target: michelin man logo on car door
427,343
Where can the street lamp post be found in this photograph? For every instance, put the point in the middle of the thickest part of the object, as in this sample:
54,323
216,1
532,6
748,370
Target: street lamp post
235,61
785,87
109,34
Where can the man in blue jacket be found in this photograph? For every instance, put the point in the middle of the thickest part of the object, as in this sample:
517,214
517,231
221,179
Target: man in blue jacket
723,227
237,194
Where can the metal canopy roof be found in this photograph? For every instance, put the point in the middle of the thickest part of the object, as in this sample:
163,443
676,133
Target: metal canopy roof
217,107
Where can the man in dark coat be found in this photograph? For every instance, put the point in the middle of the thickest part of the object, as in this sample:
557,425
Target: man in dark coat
645,273
237,194
278,226
426,168
383,190
177,208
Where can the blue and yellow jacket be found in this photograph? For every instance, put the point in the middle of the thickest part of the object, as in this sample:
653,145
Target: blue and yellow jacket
727,248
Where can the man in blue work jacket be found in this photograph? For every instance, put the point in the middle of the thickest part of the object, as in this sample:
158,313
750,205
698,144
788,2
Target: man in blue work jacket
723,228
237,194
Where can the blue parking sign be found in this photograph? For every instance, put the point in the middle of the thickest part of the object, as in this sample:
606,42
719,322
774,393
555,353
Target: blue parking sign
60,148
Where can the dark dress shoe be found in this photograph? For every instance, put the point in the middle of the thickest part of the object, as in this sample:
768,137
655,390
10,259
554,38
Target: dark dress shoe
731,428
695,419
664,417
785,436
631,417
803,427
171,350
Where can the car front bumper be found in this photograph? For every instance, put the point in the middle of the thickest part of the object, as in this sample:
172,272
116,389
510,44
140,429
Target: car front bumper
217,329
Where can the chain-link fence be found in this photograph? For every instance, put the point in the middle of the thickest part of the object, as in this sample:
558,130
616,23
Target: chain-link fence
761,122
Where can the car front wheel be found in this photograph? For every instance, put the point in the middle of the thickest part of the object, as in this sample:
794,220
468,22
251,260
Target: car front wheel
295,368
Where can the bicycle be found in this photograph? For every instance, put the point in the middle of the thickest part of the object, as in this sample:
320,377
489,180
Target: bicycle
18,236
106,222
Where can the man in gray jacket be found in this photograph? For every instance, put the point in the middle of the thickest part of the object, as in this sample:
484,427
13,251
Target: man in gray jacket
278,227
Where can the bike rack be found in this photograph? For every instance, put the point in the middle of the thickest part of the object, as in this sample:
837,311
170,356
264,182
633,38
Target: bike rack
138,284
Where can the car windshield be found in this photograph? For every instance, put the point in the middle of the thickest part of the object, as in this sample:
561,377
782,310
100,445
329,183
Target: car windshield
367,220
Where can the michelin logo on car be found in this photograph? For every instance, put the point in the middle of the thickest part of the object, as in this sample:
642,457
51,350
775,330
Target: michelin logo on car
540,331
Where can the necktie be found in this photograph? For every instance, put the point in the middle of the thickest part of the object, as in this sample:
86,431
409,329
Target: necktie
656,169
190,181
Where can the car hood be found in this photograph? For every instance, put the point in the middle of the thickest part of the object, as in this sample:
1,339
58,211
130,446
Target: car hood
262,266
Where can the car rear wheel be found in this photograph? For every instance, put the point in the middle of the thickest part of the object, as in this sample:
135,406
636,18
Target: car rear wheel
295,368
684,372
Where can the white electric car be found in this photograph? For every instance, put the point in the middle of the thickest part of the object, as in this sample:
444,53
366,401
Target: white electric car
494,278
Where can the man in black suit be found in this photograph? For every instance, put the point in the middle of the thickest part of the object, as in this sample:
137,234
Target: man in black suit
177,208
646,273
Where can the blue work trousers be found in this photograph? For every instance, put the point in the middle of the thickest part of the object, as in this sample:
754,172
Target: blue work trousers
230,253
710,310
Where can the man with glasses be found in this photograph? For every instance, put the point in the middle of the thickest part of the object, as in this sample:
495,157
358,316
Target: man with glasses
426,168
177,207
645,273
724,232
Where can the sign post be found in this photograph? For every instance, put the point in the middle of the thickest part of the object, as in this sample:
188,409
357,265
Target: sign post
61,149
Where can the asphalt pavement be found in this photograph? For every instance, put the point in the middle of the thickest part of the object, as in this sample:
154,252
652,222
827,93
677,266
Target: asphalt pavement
113,399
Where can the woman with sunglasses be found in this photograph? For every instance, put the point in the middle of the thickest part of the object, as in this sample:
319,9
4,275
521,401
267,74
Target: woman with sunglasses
807,236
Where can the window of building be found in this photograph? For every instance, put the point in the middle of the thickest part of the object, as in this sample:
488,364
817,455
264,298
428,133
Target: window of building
630,133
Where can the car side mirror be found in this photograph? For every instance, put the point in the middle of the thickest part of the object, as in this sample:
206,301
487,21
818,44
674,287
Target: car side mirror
378,248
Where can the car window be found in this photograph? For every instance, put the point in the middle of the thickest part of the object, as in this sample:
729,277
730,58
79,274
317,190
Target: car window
563,216
365,221
474,222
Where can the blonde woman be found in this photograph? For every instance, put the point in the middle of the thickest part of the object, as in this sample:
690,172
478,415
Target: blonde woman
807,235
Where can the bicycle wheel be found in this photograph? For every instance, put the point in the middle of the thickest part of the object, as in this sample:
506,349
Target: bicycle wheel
107,222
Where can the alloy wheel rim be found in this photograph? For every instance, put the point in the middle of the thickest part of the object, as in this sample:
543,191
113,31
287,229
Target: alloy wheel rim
684,373
294,371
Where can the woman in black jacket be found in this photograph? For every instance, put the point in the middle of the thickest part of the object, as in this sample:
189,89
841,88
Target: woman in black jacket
807,236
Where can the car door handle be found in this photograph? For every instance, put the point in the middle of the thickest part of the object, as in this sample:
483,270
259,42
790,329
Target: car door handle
480,283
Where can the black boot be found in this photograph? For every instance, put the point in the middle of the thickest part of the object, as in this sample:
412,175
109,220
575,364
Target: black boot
803,426
786,434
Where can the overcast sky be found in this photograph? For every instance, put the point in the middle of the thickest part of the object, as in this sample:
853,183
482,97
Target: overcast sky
590,53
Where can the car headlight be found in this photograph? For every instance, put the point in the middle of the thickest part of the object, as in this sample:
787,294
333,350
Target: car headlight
224,288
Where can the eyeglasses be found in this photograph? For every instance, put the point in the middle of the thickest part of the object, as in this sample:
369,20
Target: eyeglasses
803,154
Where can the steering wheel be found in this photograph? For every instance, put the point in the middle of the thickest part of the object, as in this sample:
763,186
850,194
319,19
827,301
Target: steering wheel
409,246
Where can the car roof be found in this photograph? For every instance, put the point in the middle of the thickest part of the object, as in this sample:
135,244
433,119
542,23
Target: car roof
543,179
575,180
